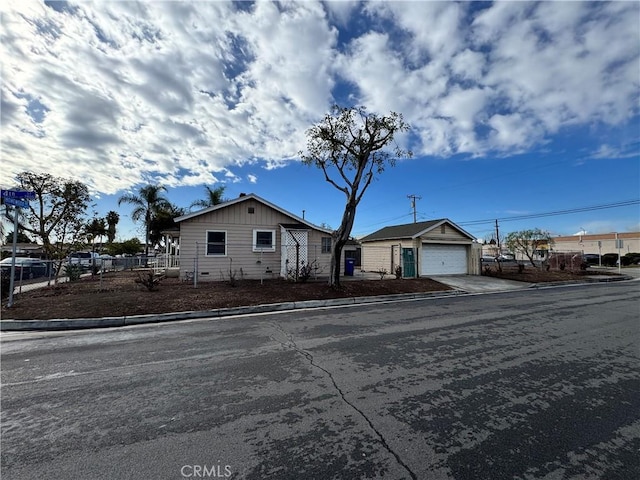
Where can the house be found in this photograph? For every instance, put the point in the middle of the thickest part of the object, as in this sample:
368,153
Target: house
249,237
434,247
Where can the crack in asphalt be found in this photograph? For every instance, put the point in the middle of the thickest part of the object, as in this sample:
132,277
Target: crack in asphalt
292,344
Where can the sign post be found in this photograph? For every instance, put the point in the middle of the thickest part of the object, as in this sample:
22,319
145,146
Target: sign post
619,245
18,199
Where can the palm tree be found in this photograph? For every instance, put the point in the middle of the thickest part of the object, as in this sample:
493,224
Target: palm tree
163,220
96,228
147,204
214,197
112,220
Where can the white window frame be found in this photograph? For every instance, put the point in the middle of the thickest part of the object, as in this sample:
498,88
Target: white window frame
206,252
258,248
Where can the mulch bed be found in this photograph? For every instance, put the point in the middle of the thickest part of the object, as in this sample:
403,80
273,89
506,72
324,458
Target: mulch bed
537,275
118,294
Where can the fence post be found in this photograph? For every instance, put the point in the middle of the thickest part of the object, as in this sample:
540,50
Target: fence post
195,267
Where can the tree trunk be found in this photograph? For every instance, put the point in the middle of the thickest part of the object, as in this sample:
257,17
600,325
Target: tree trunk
340,237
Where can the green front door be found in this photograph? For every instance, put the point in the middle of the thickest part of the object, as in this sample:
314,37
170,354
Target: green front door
408,263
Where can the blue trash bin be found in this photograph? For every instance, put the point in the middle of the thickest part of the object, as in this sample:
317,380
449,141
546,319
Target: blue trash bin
349,266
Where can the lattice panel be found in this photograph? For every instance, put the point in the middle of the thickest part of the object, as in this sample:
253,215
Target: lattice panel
289,248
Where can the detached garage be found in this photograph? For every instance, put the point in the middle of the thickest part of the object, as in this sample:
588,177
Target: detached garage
435,247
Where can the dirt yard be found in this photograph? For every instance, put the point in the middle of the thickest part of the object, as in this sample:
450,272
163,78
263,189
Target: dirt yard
117,294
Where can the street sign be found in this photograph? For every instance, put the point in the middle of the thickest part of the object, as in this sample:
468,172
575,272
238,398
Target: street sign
18,194
16,202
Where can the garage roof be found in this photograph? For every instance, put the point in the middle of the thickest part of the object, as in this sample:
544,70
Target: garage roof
411,230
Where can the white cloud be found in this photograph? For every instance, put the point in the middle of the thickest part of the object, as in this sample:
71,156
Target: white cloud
252,178
117,93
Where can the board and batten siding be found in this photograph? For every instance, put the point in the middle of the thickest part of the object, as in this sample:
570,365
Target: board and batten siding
381,255
450,235
240,259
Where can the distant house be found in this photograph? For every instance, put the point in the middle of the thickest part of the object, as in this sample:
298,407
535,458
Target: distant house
250,237
23,250
434,247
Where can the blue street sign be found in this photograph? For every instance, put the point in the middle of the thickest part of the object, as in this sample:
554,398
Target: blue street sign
18,194
16,202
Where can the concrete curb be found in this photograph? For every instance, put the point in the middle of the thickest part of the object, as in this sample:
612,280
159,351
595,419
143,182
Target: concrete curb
109,322
606,279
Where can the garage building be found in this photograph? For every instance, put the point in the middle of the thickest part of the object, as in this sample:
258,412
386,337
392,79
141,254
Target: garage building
423,249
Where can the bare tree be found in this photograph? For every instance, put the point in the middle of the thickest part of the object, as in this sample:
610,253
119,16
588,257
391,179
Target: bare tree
349,146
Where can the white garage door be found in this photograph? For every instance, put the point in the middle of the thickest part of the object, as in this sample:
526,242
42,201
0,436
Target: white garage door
444,259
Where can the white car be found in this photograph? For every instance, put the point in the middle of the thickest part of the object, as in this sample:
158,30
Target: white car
86,260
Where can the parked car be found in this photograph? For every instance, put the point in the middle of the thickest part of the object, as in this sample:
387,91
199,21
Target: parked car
26,268
591,258
86,260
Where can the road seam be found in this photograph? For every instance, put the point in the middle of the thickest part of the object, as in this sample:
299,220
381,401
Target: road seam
309,356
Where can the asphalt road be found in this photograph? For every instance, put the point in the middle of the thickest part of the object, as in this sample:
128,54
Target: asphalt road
535,384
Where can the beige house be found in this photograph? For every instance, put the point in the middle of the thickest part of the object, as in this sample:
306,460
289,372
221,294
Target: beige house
435,247
249,237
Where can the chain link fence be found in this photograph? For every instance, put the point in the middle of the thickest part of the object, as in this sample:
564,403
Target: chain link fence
30,273
568,260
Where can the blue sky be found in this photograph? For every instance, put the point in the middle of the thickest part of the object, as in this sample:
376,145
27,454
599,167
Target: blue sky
516,108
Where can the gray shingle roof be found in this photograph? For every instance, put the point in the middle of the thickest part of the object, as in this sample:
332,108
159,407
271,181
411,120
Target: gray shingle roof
407,230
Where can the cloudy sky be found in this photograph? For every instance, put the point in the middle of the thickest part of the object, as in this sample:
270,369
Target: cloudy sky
516,108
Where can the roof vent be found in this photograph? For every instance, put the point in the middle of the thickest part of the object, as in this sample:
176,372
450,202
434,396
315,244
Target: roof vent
242,195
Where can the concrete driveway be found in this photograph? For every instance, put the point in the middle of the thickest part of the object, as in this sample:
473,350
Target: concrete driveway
480,283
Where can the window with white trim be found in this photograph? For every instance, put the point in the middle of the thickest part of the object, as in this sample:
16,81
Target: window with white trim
216,243
264,240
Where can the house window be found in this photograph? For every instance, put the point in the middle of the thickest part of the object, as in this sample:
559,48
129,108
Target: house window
264,240
442,229
216,243
251,210
326,244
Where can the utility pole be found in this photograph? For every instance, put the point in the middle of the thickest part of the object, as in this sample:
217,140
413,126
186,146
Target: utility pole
413,204
498,259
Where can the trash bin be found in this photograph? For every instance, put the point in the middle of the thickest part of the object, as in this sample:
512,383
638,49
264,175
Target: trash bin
349,266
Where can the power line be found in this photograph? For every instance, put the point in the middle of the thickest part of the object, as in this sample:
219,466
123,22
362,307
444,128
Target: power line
624,203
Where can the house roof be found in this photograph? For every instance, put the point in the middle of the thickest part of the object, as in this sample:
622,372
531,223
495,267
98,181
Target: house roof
411,230
244,198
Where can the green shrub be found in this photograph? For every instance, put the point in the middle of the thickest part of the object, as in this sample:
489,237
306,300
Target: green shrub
630,259
73,272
